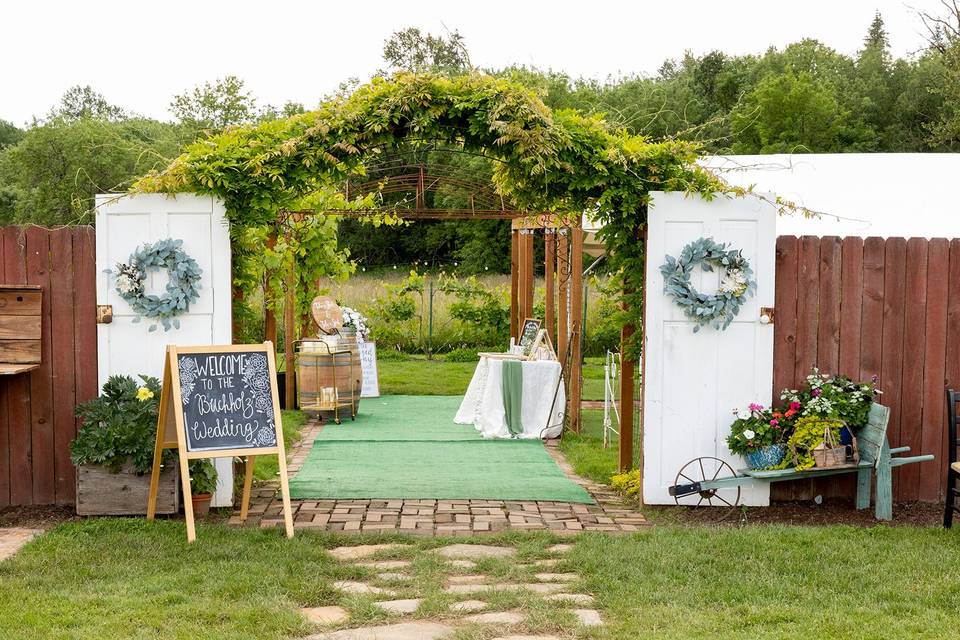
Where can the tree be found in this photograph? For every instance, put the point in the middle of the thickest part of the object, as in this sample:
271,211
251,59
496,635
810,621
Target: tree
944,42
213,107
10,134
83,102
789,113
412,50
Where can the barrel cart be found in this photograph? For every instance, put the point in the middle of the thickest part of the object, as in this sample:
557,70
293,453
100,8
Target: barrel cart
328,382
711,481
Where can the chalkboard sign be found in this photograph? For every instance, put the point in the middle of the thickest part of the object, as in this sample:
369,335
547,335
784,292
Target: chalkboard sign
218,402
370,382
528,334
227,400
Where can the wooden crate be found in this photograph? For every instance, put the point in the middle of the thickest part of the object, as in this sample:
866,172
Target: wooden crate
101,493
20,324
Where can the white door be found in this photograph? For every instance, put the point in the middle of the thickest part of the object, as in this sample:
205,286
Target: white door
693,381
126,347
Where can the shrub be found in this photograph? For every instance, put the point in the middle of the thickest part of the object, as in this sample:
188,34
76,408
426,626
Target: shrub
630,484
462,354
119,426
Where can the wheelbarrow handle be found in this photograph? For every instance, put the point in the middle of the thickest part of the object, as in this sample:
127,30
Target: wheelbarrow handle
680,490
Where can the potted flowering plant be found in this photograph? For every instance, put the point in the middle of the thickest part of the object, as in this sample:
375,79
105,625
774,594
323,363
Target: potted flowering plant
203,482
357,322
758,435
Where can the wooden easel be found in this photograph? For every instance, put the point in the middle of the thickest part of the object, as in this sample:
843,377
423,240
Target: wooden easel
171,435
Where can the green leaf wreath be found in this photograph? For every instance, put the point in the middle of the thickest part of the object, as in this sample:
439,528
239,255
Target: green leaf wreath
736,283
183,287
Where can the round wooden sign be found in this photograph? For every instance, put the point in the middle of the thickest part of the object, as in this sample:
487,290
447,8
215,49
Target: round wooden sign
326,313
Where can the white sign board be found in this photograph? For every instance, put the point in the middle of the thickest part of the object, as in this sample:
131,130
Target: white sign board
370,383
695,380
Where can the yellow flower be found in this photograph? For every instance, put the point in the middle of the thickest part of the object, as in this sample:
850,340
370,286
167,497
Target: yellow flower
144,394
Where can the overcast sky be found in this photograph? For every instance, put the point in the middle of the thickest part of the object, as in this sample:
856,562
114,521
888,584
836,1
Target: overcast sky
140,54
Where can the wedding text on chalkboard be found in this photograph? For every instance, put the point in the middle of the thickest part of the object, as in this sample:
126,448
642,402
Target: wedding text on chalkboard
227,400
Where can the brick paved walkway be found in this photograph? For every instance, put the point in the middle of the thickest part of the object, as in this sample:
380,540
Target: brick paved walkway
443,517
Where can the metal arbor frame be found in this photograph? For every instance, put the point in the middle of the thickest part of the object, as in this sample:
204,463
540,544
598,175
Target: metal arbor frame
408,183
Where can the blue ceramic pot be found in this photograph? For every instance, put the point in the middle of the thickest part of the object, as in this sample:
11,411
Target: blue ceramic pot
768,456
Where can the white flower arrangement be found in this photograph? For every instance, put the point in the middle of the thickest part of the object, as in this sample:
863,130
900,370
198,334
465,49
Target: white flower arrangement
734,282
355,319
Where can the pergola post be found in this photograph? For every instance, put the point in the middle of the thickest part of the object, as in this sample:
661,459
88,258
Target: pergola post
549,265
526,273
563,275
289,335
576,326
514,283
269,317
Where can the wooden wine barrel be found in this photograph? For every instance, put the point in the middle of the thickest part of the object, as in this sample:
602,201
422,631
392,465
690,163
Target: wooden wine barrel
320,369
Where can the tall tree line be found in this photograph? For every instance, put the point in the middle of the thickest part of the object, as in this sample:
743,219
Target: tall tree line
804,98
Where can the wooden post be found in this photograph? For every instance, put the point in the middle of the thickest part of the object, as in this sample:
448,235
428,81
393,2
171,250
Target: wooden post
289,335
514,283
576,327
549,265
269,317
526,284
626,400
563,275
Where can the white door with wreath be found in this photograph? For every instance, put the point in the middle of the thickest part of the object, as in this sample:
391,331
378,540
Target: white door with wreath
703,361
137,228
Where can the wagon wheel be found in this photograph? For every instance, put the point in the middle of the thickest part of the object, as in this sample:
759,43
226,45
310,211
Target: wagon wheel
706,469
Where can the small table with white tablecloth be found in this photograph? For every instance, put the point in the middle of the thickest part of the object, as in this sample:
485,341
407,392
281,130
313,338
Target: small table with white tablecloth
543,401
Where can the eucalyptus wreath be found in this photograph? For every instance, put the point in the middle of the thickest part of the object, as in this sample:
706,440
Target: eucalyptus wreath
183,286
736,283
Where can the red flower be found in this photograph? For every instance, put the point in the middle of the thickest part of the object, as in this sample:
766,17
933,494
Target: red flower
790,413
795,406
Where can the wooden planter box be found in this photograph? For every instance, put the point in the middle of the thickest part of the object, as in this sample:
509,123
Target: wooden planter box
102,493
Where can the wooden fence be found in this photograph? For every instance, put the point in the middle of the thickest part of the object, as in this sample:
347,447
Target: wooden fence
37,408
874,307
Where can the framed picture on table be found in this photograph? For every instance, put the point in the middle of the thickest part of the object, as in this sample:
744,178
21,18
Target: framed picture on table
529,331
542,347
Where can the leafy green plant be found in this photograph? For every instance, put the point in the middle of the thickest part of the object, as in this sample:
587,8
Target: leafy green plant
461,354
203,476
807,435
836,397
484,312
119,426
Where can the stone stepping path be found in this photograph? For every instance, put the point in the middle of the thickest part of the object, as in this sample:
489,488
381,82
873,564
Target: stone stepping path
476,551
399,606
325,616
550,586
402,631
350,586
497,617
362,551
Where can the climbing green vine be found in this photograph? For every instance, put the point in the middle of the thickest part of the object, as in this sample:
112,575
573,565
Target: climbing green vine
562,162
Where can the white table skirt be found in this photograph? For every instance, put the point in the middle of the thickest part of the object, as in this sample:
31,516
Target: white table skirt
482,405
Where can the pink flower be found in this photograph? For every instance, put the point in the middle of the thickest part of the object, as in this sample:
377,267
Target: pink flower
774,422
795,406
756,407
816,393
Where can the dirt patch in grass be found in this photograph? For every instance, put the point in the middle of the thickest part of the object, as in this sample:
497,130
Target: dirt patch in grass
839,511
37,517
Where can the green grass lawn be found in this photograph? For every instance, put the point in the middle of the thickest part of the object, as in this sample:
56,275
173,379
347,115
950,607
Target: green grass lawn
107,579
417,376
585,452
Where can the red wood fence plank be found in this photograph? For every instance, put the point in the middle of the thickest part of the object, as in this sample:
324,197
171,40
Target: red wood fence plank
828,324
871,315
891,363
914,344
953,340
18,386
785,332
41,379
851,303
62,357
808,299
934,368
85,313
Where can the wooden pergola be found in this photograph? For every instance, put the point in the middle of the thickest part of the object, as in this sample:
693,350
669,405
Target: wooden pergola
407,183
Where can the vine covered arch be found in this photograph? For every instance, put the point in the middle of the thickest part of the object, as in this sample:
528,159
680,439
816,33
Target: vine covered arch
562,163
